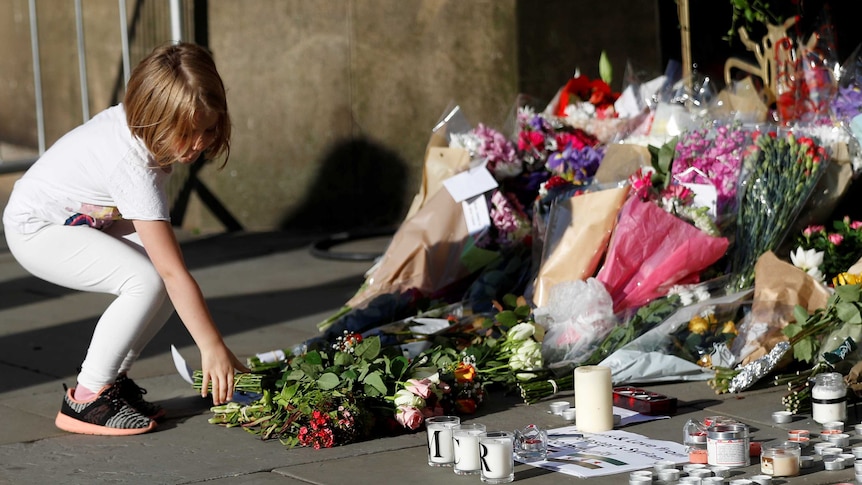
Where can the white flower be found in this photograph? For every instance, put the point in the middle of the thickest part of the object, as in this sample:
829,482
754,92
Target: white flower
808,260
528,356
403,397
521,331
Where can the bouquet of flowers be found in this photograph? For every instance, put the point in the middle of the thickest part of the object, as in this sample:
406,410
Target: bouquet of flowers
826,254
779,172
652,249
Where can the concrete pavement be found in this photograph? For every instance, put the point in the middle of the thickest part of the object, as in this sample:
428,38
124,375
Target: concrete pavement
266,291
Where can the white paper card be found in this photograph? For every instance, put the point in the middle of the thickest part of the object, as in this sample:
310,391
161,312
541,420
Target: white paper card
705,195
470,183
182,367
476,214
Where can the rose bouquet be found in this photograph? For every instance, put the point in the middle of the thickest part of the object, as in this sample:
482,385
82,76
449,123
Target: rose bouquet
826,254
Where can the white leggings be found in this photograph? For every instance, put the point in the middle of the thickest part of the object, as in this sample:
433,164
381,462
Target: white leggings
110,261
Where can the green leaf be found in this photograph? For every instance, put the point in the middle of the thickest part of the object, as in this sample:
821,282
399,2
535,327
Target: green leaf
507,318
606,70
804,350
792,329
397,367
368,349
510,300
342,359
375,382
522,312
328,381
313,358
848,312
848,293
800,314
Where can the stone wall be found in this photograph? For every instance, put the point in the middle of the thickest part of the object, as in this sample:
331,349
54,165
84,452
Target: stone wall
332,101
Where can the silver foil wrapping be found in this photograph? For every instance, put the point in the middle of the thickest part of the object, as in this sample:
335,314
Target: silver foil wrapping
753,371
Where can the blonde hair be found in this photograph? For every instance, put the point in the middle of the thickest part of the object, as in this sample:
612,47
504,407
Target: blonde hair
165,92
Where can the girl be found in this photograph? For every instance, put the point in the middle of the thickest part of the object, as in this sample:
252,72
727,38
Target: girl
92,214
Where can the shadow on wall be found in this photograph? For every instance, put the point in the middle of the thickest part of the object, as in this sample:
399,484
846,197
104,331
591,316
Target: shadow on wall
360,185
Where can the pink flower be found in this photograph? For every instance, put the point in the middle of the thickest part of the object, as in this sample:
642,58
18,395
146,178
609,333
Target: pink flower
409,417
808,231
835,238
855,225
421,388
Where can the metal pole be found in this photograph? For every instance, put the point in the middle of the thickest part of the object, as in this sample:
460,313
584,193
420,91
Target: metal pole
82,61
37,77
176,21
124,37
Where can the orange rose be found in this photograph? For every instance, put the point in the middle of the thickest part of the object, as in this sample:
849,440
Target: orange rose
465,372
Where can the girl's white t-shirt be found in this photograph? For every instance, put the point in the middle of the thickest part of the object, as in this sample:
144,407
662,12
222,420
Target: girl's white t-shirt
95,174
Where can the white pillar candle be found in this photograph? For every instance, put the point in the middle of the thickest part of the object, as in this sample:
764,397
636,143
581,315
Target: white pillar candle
594,406
496,457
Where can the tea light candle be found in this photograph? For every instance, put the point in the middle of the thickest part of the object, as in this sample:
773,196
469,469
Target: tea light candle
761,479
569,414
799,433
782,417
712,481
668,474
594,399
839,439
857,451
806,461
557,407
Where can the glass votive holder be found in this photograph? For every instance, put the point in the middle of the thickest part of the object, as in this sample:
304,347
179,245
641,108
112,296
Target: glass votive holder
780,460
531,443
496,451
441,448
465,440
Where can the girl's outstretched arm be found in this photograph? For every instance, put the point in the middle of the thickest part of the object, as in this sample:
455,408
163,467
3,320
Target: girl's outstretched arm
217,361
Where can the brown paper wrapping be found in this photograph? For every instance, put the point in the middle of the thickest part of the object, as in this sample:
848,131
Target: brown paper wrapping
778,288
424,252
441,163
621,161
578,231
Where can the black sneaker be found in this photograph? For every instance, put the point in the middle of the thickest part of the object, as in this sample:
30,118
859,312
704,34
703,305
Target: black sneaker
134,395
105,414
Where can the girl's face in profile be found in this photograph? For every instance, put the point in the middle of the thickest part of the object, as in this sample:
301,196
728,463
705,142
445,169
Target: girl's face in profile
201,138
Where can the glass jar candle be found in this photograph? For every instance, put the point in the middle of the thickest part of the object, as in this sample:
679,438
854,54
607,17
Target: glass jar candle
829,398
781,460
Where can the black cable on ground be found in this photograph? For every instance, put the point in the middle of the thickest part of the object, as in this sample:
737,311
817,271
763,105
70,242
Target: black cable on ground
322,248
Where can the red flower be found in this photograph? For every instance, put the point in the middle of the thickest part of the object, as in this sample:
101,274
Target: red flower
465,406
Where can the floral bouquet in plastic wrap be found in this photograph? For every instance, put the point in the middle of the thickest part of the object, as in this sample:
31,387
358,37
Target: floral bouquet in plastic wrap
660,240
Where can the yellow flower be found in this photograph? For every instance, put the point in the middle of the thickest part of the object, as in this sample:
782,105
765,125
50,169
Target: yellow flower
698,325
729,327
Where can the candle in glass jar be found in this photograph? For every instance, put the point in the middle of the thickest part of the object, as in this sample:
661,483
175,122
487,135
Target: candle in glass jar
593,399
465,438
496,457
781,460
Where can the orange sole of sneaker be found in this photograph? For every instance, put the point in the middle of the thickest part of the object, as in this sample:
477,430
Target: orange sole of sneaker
73,425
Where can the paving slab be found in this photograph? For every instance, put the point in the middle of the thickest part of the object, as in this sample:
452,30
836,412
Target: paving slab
267,291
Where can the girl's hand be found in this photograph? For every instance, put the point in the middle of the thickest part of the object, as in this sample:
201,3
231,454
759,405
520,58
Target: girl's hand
218,367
